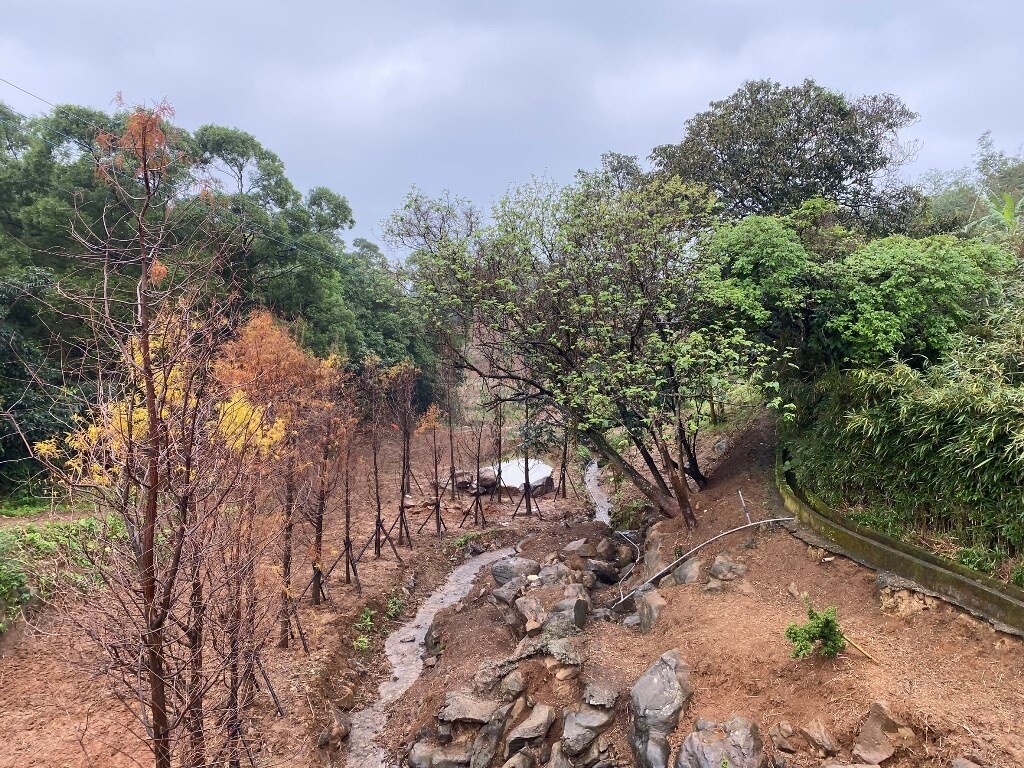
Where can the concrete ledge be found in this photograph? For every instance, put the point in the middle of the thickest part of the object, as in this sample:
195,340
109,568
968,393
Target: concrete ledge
981,595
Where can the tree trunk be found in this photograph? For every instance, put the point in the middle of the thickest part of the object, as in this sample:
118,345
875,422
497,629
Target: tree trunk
661,500
318,528
286,554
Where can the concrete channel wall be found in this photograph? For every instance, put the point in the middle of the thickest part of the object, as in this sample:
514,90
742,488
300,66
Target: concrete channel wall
981,595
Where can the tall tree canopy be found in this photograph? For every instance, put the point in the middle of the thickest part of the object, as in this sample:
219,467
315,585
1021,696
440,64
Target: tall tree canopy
767,148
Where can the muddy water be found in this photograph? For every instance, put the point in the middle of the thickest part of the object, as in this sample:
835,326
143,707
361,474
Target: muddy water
403,648
602,505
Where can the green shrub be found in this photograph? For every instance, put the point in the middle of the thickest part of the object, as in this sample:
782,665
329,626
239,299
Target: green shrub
395,606
361,643
365,621
1017,575
980,558
821,632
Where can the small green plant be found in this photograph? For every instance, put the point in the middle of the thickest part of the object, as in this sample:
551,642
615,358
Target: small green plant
365,621
461,541
361,644
1017,575
979,558
821,632
395,606
677,552
725,763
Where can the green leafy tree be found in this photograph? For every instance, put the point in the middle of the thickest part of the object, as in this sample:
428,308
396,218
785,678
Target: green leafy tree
767,148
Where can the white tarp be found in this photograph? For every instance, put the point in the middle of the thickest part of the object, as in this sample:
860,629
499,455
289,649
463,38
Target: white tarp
513,473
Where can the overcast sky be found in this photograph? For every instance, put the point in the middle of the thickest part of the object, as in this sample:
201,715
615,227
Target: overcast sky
370,98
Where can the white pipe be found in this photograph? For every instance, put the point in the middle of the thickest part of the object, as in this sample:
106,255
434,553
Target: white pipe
664,571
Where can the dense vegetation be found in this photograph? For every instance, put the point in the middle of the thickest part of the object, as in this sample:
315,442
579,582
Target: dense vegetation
286,254
772,247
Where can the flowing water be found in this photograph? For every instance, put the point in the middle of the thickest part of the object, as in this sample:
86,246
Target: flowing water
602,505
403,648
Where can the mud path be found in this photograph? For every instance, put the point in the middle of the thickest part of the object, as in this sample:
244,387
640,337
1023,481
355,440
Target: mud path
402,648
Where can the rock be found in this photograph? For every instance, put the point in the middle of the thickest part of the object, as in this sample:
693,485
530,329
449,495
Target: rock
577,591
633,620
726,569
541,487
513,684
486,740
581,726
657,550
962,762
744,587
565,651
879,735
424,755
575,607
558,758
432,641
780,733
510,590
568,672
573,547
588,579
599,695
532,612
604,570
487,479
462,707
648,605
520,759
655,702
430,661
606,549
534,728
714,586
444,733
463,480
602,614
851,765
720,447
559,625
508,568
556,573
625,555
346,698
688,572
739,746
818,737
793,590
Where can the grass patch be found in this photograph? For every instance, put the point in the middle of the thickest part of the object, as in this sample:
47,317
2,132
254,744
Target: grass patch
28,506
37,559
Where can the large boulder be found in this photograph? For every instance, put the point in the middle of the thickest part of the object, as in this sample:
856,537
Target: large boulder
657,549
426,755
486,740
726,569
581,726
487,479
605,570
880,735
736,743
655,703
532,730
463,707
508,568
649,603
510,590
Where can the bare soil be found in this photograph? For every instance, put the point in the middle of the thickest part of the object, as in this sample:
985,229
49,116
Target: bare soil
958,681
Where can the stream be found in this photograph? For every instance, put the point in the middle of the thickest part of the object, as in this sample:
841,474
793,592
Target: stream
602,505
403,648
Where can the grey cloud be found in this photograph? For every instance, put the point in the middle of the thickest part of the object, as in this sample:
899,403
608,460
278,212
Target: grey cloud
471,95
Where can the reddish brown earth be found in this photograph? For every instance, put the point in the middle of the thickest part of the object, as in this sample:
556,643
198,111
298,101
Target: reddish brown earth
959,682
